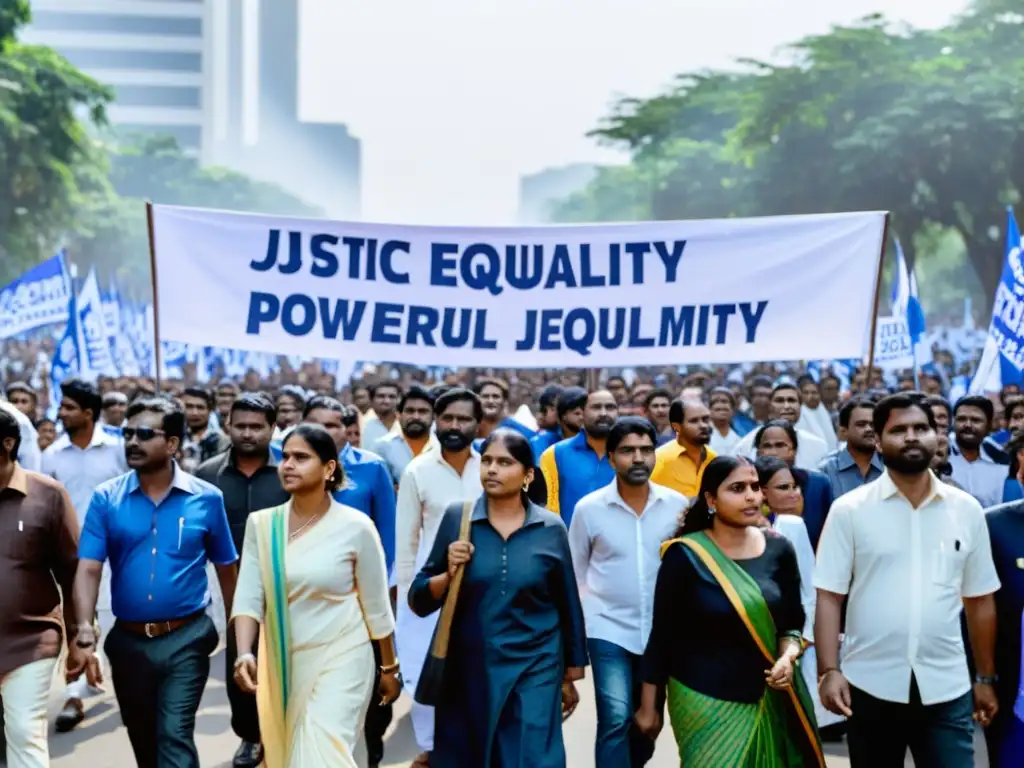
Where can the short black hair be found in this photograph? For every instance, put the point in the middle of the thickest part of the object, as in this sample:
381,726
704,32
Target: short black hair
725,392
375,388
938,401
1013,403
548,397
805,378
255,402
571,399
976,401
23,388
900,402
9,428
349,416
228,384
200,393
630,425
416,392
456,395
677,411
322,402
846,412
782,424
296,393
85,394
656,393
782,385
171,411
760,381
320,440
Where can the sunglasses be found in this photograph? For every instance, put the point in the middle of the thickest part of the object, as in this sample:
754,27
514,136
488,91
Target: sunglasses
145,434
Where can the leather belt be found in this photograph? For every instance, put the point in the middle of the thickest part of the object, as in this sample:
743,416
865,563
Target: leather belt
154,629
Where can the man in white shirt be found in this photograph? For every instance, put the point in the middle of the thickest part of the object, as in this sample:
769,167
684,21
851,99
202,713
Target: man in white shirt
910,552
615,538
432,481
785,404
29,456
82,458
385,397
973,468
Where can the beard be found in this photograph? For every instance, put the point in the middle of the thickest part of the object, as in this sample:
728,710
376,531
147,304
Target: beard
416,429
909,465
600,429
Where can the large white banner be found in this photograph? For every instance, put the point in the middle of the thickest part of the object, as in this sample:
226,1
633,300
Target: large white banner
731,290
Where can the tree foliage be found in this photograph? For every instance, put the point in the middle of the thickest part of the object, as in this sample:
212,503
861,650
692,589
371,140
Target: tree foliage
928,124
62,186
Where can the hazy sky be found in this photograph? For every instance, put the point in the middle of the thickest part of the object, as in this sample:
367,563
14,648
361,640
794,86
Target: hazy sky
454,100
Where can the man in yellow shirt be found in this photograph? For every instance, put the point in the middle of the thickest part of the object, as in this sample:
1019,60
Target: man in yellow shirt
679,465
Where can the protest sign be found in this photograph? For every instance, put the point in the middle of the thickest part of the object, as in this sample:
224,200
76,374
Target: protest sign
39,297
720,291
893,350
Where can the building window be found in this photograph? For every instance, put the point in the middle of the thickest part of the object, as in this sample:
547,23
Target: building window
188,136
168,26
157,96
136,60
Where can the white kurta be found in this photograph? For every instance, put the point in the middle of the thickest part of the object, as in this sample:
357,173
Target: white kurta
337,601
428,486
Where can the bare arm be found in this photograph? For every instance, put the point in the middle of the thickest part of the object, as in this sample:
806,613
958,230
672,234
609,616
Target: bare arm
981,627
227,576
87,587
826,629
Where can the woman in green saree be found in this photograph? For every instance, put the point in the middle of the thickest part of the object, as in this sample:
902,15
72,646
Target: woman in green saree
725,639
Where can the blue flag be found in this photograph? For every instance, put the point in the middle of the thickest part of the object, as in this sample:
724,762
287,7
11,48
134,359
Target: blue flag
67,358
39,297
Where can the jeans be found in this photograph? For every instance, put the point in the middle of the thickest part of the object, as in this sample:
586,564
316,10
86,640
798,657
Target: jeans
938,735
617,685
159,683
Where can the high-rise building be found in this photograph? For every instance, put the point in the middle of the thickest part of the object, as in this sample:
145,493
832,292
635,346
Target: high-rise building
540,192
256,123
152,52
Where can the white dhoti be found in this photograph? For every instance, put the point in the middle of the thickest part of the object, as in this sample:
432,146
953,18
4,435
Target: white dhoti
413,635
25,692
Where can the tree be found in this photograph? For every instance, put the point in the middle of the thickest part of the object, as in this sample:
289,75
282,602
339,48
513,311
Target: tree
925,124
49,166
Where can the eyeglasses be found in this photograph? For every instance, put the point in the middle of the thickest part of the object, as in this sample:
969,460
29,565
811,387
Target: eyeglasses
145,434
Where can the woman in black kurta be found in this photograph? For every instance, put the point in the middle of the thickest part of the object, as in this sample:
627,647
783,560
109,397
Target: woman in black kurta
517,640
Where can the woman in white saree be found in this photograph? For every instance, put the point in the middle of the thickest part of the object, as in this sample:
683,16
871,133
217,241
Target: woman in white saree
313,587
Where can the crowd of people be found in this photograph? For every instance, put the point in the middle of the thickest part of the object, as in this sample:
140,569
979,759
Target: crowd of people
774,561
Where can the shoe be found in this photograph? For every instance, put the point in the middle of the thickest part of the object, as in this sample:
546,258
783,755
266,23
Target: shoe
70,716
248,755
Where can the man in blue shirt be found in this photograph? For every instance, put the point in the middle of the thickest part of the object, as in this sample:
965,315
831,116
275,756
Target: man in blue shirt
368,488
493,394
569,408
159,527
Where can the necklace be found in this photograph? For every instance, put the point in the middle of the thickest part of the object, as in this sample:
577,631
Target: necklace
304,526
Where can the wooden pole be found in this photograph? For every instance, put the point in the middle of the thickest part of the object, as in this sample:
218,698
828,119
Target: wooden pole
878,299
157,357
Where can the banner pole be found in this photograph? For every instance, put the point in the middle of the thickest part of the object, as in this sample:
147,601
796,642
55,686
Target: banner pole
878,299
157,362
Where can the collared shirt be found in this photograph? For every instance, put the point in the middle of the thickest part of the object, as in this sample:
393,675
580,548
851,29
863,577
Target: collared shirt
158,552
616,554
195,452
983,478
810,449
428,486
722,444
397,453
81,470
29,456
373,430
678,469
906,572
843,473
243,494
369,489
38,553
571,470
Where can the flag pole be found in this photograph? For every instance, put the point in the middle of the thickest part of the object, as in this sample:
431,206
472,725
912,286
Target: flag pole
157,362
878,298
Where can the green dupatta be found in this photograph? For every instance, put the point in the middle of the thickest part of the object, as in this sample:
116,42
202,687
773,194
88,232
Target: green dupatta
274,674
780,731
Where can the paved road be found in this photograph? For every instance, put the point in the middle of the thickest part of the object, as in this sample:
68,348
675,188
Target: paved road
101,741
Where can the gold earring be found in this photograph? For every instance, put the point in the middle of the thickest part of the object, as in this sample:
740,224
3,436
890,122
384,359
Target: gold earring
526,486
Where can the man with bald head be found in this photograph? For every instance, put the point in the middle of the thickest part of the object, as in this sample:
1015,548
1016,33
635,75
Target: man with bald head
679,465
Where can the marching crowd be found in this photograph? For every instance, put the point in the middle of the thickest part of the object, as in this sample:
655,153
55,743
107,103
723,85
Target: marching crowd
771,561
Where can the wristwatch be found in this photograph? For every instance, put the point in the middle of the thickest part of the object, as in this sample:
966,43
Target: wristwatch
986,679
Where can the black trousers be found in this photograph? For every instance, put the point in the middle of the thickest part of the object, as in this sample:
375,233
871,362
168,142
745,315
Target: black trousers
245,719
159,683
378,718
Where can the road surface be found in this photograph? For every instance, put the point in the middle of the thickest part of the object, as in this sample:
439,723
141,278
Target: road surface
101,741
